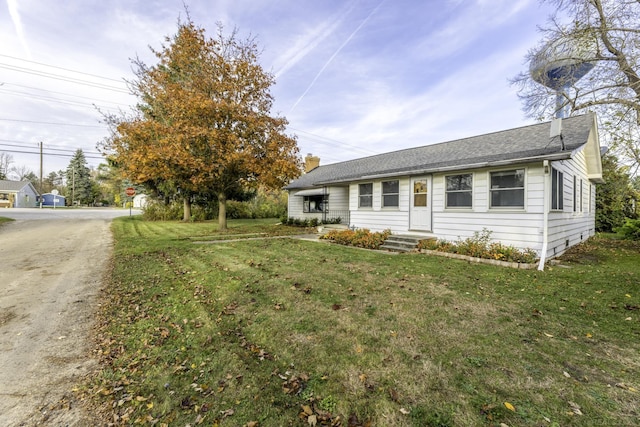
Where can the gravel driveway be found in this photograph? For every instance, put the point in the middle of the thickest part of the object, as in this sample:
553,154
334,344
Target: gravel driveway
51,267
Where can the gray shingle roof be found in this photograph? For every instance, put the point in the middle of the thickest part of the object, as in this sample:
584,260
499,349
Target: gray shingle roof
511,145
6,185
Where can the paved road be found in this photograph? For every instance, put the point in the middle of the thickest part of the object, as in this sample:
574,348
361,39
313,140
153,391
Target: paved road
65,213
51,269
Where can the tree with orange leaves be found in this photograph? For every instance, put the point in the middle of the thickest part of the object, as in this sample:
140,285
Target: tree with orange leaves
203,120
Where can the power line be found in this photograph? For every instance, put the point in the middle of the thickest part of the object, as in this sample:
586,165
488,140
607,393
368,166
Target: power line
61,68
62,93
51,123
29,146
37,153
329,141
63,78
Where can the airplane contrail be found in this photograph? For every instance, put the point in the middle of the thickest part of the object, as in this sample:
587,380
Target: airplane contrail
310,41
334,55
12,5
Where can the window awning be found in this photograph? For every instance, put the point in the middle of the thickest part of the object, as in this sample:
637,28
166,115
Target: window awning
312,192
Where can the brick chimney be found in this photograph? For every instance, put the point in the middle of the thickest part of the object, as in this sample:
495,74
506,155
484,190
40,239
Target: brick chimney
311,162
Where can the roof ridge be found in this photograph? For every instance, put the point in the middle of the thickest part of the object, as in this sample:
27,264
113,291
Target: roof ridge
451,141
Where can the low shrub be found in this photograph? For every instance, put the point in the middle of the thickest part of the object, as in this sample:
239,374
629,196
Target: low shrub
239,210
158,211
630,230
306,222
361,238
480,246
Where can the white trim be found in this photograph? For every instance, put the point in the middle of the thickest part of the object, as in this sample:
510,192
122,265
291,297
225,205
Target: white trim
312,192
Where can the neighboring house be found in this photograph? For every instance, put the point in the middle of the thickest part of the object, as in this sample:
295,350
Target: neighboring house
532,187
53,200
17,194
139,201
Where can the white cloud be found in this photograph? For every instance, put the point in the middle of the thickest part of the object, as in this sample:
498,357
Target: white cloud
468,22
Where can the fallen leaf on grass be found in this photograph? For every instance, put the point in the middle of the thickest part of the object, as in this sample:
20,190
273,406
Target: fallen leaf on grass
548,335
229,412
626,387
312,420
509,406
575,408
404,411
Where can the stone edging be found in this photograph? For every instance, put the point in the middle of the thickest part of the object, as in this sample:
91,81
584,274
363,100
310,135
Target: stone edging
519,265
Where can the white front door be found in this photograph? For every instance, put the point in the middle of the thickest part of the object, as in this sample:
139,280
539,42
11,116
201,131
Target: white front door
420,213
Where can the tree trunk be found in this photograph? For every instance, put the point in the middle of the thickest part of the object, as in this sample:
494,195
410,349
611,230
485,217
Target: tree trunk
186,217
222,212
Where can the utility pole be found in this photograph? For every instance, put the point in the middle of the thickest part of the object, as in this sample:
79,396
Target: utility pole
40,189
73,186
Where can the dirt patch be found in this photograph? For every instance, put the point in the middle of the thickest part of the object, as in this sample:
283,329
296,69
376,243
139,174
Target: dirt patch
50,277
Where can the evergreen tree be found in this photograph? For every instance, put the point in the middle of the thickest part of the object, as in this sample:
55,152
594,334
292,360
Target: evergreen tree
79,186
616,198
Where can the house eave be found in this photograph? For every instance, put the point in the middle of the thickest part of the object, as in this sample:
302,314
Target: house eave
425,171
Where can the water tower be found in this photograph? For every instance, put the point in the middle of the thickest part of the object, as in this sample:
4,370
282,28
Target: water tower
560,64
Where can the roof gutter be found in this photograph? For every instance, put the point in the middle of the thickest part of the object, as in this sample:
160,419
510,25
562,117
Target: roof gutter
556,156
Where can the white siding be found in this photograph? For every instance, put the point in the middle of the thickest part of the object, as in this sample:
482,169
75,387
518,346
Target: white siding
295,205
338,201
569,227
521,228
377,218
339,198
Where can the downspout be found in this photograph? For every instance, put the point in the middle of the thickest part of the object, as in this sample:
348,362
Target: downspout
545,215
325,204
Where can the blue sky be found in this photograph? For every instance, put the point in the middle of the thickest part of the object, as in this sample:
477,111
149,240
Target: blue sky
353,77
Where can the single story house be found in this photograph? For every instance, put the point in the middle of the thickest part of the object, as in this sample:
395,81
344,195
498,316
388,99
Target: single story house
17,194
532,187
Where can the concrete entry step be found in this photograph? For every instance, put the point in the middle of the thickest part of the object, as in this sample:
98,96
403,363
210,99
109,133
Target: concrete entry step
404,242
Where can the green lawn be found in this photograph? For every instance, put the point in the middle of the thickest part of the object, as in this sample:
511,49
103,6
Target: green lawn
5,219
280,332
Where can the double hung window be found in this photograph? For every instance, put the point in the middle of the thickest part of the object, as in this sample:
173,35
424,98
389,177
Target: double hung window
557,189
390,194
365,195
507,189
459,191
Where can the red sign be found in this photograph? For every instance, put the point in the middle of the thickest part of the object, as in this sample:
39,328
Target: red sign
130,191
